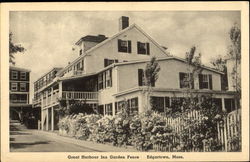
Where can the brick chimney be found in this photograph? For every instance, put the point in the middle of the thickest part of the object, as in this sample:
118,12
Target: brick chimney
123,22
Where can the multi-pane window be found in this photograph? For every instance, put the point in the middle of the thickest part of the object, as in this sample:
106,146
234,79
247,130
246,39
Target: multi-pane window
217,102
205,81
108,62
100,109
23,75
22,86
130,104
14,74
186,80
105,79
229,104
119,106
108,78
159,104
143,48
133,105
78,66
108,109
13,86
124,46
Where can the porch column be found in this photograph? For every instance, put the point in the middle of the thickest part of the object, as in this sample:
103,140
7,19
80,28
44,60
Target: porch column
47,120
52,118
52,98
60,89
223,104
42,120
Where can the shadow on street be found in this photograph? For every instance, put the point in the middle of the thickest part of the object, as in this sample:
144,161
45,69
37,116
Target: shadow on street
23,145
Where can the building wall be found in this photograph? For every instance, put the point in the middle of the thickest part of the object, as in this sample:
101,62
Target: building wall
168,75
19,95
95,61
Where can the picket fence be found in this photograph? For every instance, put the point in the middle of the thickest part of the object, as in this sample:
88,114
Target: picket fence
228,131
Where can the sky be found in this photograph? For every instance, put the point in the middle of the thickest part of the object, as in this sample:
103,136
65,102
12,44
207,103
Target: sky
50,36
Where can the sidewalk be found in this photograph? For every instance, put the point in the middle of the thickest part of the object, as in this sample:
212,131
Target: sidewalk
92,145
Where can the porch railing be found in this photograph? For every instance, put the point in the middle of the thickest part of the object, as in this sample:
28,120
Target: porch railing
18,101
51,98
80,95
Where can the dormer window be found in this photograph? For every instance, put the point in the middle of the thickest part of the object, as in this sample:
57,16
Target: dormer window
143,48
124,46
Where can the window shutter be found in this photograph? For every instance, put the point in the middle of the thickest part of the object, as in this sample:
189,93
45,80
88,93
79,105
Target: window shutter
27,87
119,45
104,79
200,81
210,82
129,46
140,77
106,62
181,77
110,76
148,49
116,109
111,108
138,47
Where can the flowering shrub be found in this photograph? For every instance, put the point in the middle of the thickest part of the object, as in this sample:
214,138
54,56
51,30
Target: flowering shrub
102,130
149,130
78,126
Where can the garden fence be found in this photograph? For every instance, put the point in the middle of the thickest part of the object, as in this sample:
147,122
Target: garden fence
228,130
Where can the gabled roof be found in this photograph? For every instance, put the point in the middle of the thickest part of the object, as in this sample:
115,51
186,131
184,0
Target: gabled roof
121,32
88,52
132,62
53,69
92,38
164,58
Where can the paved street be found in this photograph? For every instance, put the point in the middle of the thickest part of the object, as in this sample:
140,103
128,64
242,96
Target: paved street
27,140
24,140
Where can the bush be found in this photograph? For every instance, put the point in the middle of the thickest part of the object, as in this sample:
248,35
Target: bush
147,130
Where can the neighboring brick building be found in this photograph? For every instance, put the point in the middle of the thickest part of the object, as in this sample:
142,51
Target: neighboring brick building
19,92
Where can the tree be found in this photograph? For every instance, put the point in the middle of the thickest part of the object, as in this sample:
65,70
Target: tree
234,53
235,47
194,69
151,75
151,72
219,63
13,49
194,66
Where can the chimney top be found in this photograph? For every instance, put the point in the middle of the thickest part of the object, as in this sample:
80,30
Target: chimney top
123,22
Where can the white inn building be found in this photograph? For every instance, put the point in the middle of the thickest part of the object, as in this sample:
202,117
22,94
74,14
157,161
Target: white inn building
109,70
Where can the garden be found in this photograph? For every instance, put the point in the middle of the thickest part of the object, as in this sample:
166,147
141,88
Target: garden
195,127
